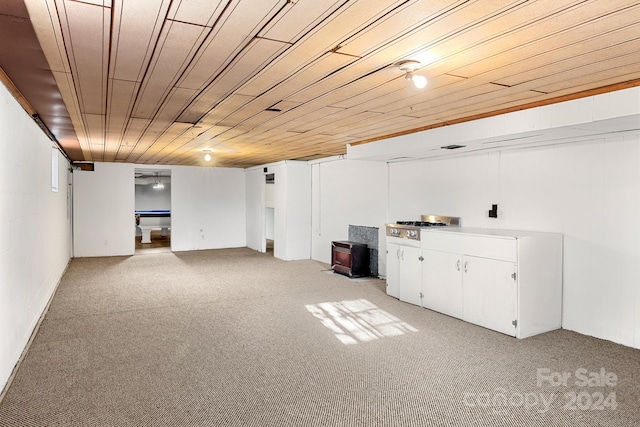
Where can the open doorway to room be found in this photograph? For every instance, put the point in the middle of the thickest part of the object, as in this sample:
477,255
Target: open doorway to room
269,218
269,212
152,210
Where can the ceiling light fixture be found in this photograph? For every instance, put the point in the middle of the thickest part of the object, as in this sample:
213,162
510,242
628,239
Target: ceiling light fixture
207,155
158,183
409,66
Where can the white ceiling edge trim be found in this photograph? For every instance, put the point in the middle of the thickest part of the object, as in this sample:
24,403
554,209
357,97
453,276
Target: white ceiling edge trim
470,150
147,167
611,112
280,163
327,159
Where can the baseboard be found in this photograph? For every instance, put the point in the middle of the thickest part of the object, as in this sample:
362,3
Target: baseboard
34,332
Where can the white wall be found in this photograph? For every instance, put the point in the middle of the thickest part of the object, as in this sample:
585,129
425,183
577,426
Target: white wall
148,198
291,210
208,208
347,192
285,205
104,205
293,222
35,229
463,187
269,194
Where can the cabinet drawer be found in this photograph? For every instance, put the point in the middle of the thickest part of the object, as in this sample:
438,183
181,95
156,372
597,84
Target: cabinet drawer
494,247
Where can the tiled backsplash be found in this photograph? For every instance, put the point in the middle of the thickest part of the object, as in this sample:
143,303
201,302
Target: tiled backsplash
368,235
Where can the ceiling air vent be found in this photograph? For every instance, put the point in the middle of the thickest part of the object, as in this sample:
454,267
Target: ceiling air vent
452,147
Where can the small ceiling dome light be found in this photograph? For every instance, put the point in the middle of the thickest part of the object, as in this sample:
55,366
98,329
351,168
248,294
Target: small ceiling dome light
207,155
158,185
419,81
409,66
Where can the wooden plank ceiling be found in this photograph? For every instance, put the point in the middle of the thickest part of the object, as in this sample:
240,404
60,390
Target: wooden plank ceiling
258,81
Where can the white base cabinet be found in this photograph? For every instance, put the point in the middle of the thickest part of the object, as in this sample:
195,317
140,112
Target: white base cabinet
410,273
393,270
489,294
505,280
403,272
442,282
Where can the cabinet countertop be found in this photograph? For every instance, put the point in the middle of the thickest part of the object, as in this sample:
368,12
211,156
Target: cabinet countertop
490,232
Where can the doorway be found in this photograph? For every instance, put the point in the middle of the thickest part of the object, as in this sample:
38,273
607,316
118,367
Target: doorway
269,221
152,210
269,213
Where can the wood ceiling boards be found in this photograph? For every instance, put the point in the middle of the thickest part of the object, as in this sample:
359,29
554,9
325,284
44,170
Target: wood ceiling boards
258,81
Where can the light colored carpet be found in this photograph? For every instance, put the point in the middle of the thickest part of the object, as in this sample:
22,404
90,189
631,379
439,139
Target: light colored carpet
237,338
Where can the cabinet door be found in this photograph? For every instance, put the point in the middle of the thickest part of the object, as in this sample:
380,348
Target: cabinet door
393,270
410,275
442,282
489,293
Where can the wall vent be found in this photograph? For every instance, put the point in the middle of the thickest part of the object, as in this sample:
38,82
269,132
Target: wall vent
270,178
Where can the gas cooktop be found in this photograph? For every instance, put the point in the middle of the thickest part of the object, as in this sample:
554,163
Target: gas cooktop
421,223
411,229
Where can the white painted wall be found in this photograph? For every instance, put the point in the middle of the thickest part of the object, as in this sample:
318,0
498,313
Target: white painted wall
269,194
296,221
208,208
103,207
148,198
279,194
464,187
292,210
289,209
347,192
35,229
